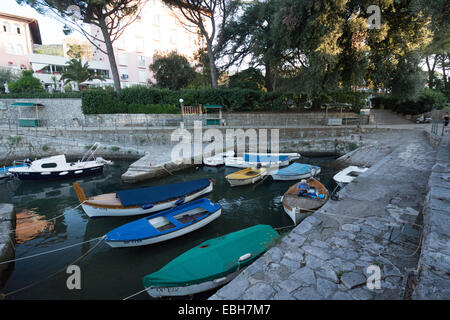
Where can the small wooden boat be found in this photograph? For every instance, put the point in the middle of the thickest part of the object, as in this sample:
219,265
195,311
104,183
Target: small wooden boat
165,225
218,159
255,160
298,206
347,175
246,176
210,264
143,200
295,171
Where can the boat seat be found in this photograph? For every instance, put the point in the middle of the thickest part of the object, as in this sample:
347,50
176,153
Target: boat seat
109,199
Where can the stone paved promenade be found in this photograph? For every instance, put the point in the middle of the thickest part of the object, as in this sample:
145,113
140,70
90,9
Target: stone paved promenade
376,222
434,264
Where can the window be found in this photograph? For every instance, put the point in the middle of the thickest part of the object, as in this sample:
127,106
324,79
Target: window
123,58
139,29
141,61
49,165
6,27
121,43
173,37
157,34
139,45
156,19
123,73
19,49
17,28
9,48
142,76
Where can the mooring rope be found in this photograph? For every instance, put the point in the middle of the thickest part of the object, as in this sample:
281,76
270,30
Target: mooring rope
50,251
3,295
134,294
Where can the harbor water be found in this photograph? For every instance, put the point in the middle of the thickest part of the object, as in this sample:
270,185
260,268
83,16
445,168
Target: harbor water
108,273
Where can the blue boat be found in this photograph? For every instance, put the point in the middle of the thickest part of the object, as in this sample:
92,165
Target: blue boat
295,171
5,174
165,225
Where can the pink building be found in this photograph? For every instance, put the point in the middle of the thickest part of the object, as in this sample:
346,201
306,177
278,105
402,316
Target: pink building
17,38
155,30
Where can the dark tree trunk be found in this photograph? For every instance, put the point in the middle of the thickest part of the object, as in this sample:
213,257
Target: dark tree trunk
268,79
212,64
111,56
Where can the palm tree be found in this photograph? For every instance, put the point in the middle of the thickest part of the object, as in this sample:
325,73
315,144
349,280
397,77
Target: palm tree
76,71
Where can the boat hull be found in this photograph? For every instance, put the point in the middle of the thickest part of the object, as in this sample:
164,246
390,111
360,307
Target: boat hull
167,236
93,211
156,292
246,164
294,213
298,207
58,175
243,182
280,177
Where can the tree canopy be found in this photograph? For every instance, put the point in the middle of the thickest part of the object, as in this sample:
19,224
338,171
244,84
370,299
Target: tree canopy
172,70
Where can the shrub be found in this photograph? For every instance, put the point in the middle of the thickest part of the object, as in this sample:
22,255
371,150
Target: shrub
26,83
95,101
427,101
153,108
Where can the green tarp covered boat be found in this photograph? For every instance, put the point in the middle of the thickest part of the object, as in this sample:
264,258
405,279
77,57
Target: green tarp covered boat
211,263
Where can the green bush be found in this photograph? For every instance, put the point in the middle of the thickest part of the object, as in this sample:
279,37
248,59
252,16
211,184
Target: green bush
355,98
26,83
98,101
153,108
427,101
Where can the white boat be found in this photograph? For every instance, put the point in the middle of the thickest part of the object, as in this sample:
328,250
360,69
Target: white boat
295,171
218,159
165,225
256,160
292,155
57,167
142,200
347,175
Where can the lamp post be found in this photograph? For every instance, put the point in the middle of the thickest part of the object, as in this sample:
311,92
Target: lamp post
181,105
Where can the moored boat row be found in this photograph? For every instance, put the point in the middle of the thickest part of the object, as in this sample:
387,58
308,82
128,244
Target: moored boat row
174,210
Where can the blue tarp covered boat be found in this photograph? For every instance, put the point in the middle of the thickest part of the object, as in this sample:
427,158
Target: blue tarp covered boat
165,225
264,158
143,200
295,171
151,195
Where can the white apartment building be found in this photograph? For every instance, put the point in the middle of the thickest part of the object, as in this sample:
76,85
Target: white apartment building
156,29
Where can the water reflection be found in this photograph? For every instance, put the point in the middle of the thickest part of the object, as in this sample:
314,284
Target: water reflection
29,225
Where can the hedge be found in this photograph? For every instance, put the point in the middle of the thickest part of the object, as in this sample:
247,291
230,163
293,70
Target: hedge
427,101
41,95
154,100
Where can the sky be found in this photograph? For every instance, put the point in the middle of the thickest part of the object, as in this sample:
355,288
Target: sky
51,29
